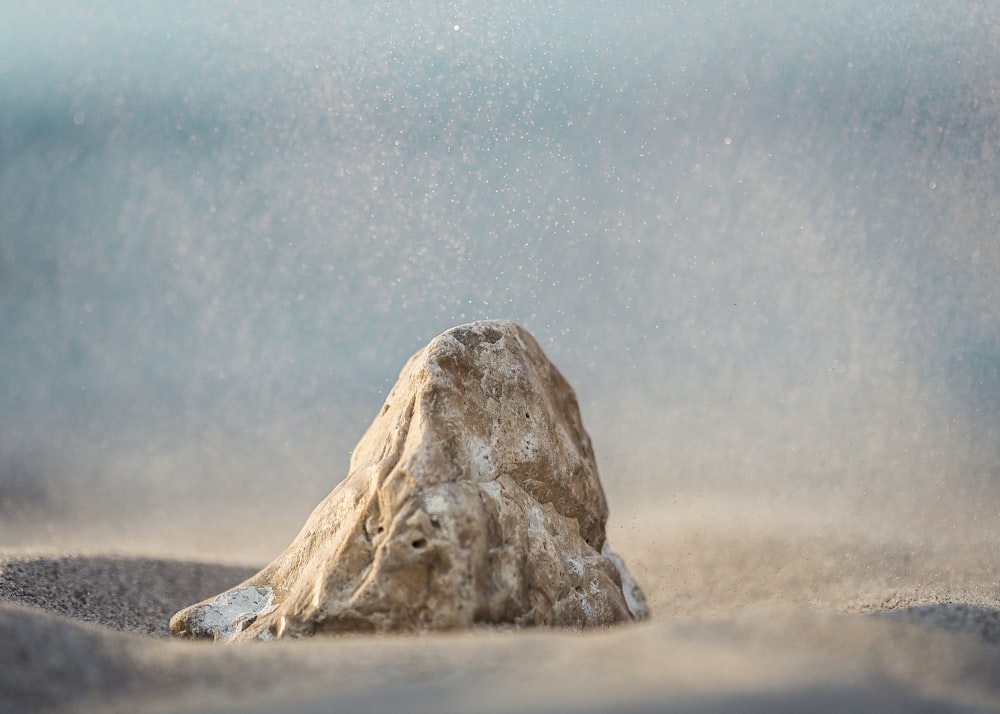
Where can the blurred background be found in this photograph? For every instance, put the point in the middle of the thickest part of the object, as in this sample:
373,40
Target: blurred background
759,238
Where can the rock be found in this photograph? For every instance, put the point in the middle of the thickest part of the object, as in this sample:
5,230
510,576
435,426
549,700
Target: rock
473,498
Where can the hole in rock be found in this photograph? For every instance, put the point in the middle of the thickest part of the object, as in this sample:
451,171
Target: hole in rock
373,527
419,543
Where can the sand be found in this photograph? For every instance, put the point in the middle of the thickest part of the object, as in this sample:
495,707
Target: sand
757,608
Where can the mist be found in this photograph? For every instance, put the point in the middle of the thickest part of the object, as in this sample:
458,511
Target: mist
758,238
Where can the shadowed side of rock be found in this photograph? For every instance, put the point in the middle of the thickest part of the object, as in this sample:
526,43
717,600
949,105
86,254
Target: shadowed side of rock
472,498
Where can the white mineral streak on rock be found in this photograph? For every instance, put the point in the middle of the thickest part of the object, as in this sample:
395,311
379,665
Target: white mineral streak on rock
491,488
231,612
574,565
529,446
634,598
473,498
482,461
436,504
536,522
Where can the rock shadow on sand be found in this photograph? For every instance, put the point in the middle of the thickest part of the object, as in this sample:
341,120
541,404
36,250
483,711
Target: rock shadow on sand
129,594
977,621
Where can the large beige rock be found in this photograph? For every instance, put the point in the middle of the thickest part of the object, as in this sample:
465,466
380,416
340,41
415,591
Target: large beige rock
472,499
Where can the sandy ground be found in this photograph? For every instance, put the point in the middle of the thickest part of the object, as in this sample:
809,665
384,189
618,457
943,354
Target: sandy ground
756,609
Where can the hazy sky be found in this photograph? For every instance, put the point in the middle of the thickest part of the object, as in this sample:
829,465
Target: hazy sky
759,238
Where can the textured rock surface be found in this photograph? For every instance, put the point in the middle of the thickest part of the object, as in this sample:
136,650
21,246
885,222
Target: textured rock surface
473,498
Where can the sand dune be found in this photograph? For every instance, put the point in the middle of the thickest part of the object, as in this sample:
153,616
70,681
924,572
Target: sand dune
752,612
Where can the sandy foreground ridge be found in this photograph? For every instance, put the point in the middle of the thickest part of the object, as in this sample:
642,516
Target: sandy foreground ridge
753,610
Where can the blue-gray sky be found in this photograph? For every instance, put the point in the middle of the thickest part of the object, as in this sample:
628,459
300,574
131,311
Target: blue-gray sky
758,237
